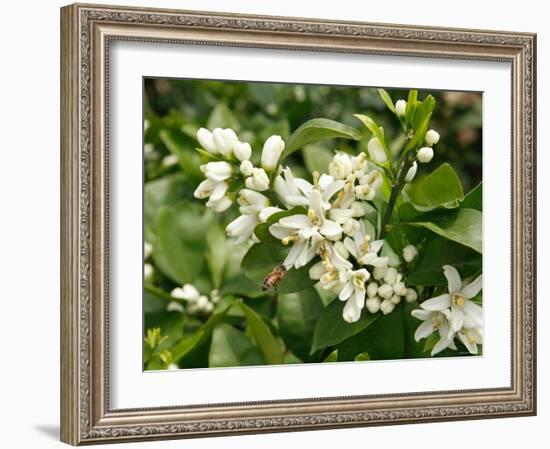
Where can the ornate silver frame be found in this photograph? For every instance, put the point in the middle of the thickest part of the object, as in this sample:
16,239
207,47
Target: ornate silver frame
86,32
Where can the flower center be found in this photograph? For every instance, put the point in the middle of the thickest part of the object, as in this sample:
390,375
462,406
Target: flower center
458,299
365,246
436,324
359,282
290,238
315,219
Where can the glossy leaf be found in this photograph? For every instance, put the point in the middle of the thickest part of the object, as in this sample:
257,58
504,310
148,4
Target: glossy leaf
387,99
463,226
427,269
331,328
231,347
383,340
262,258
474,198
318,129
297,315
440,187
268,344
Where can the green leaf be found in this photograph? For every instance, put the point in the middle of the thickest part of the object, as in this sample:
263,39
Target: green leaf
268,344
427,269
179,250
222,117
318,129
262,258
439,187
363,357
463,226
474,198
387,99
411,105
297,314
167,190
203,334
332,357
179,145
423,112
317,158
383,340
331,328
231,347
217,253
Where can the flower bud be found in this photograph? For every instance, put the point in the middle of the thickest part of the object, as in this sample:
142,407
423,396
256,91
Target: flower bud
391,276
372,289
376,151
246,168
411,295
224,139
188,292
148,271
425,155
385,291
271,153
409,253
379,272
411,173
258,181
217,171
341,166
222,205
387,306
400,107
395,299
242,150
373,304
206,140
147,249
432,137
169,160
399,288
204,189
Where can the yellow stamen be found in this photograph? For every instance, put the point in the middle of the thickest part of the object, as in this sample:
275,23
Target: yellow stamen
316,176
458,299
290,238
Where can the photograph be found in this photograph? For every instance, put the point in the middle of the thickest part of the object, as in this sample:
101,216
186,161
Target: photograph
303,224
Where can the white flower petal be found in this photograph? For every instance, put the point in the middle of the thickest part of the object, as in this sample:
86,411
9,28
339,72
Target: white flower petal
424,330
278,231
422,314
295,222
473,288
470,345
441,345
346,292
457,319
474,311
331,229
294,253
438,303
453,278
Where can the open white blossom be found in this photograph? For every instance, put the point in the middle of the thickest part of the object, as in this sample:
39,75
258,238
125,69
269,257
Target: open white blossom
463,312
435,321
353,293
341,166
306,232
364,250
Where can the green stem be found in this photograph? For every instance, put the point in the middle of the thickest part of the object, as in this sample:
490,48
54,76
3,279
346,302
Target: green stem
396,190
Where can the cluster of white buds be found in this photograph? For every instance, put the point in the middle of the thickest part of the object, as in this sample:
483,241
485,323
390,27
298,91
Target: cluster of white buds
426,153
234,159
196,304
387,289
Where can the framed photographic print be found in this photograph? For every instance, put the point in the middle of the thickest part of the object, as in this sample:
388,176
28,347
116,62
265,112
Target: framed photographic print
280,224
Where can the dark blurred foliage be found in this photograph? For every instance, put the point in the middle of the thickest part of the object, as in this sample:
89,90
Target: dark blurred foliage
257,110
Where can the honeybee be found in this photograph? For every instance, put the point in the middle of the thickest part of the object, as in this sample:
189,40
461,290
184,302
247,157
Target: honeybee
273,278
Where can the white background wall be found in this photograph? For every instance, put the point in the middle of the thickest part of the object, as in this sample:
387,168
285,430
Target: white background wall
29,219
